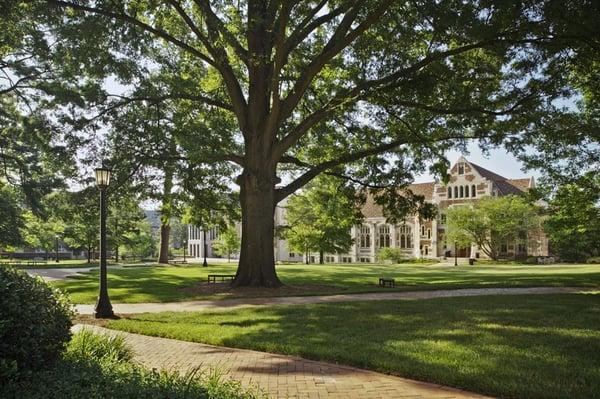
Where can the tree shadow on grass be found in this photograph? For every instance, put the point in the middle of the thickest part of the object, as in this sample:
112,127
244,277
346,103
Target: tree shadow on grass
519,346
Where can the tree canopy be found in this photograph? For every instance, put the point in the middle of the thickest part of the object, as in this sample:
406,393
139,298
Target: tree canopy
271,94
320,217
491,223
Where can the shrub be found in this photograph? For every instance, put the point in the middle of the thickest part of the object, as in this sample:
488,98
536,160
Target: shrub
593,260
531,260
392,254
97,366
35,322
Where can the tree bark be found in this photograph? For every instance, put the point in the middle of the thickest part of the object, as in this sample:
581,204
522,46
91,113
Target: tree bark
89,254
321,260
166,212
257,260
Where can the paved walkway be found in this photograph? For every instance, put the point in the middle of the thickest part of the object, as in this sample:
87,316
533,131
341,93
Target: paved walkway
277,375
189,306
58,274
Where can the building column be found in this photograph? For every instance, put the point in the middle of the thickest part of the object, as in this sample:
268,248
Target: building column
354,248
434,248
373,227
417,238
393,243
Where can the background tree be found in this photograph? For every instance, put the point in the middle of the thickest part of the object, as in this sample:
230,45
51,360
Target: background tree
321,217
573,222
141,240
11,219
369,90
491,223
228,242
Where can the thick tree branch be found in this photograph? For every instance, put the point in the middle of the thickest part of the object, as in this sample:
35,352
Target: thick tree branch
232,84
215,23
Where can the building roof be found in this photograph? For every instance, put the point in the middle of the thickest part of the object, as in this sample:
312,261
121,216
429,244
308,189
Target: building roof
488,174
504,185
371,209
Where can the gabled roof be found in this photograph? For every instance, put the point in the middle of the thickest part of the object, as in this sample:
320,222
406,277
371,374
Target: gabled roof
488,174
513,186
371,209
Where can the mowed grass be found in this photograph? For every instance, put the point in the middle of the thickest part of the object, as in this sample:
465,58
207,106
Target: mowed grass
529,346
169,283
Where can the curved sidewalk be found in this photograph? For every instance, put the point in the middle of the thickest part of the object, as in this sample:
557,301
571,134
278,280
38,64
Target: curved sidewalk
277,375
190,306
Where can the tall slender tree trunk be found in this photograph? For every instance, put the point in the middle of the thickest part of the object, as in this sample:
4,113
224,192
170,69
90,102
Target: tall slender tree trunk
166,212
89,253
257,255
321,260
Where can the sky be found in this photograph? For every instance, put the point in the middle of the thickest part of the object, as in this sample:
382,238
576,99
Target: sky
498,161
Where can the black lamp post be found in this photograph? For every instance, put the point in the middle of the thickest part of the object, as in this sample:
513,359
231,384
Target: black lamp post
455,254
56,246
103,307
205,247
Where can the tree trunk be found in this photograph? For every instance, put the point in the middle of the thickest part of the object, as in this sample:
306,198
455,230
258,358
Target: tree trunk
166,211
89,254
321,260
257,257
163,254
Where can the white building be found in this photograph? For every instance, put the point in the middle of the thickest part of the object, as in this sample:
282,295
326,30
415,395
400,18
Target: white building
281,250
416,238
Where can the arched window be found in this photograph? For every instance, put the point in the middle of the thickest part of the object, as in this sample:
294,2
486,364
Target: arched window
384,236
455,192
404,237
467,191
429,233
449,192
365,236
462,191
422,231
473,192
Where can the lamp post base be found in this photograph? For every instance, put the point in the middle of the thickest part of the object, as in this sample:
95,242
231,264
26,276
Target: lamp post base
103,309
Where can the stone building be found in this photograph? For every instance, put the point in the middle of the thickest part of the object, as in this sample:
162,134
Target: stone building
424,238
416,238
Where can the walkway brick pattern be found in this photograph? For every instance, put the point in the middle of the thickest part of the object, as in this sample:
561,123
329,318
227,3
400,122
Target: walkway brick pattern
276,375
222,304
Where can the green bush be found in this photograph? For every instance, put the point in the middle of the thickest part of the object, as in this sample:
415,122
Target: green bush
392,254
593,260
531,260
95,366
35,323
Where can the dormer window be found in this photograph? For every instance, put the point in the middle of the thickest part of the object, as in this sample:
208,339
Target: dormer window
461,168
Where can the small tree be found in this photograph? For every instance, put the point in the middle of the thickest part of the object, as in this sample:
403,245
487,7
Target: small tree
320,219
491,222
228,242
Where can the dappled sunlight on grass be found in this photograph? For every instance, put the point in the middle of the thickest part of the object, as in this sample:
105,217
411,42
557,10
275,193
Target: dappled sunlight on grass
176,283
518,346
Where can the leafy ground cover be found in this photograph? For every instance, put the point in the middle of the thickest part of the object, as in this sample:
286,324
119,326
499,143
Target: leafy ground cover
94,366
529,346
177,283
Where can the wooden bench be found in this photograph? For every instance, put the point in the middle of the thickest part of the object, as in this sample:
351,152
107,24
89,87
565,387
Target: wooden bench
223,277
389,282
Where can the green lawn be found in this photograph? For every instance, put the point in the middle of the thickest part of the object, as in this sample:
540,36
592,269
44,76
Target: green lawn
67,264
529,346
172,283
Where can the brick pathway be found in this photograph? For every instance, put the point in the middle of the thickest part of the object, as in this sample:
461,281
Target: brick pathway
130,308
279,376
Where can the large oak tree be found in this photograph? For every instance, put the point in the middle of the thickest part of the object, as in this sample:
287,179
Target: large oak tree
367,90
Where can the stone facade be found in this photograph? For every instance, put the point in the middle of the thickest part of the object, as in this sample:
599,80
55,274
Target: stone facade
468,182
415,237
